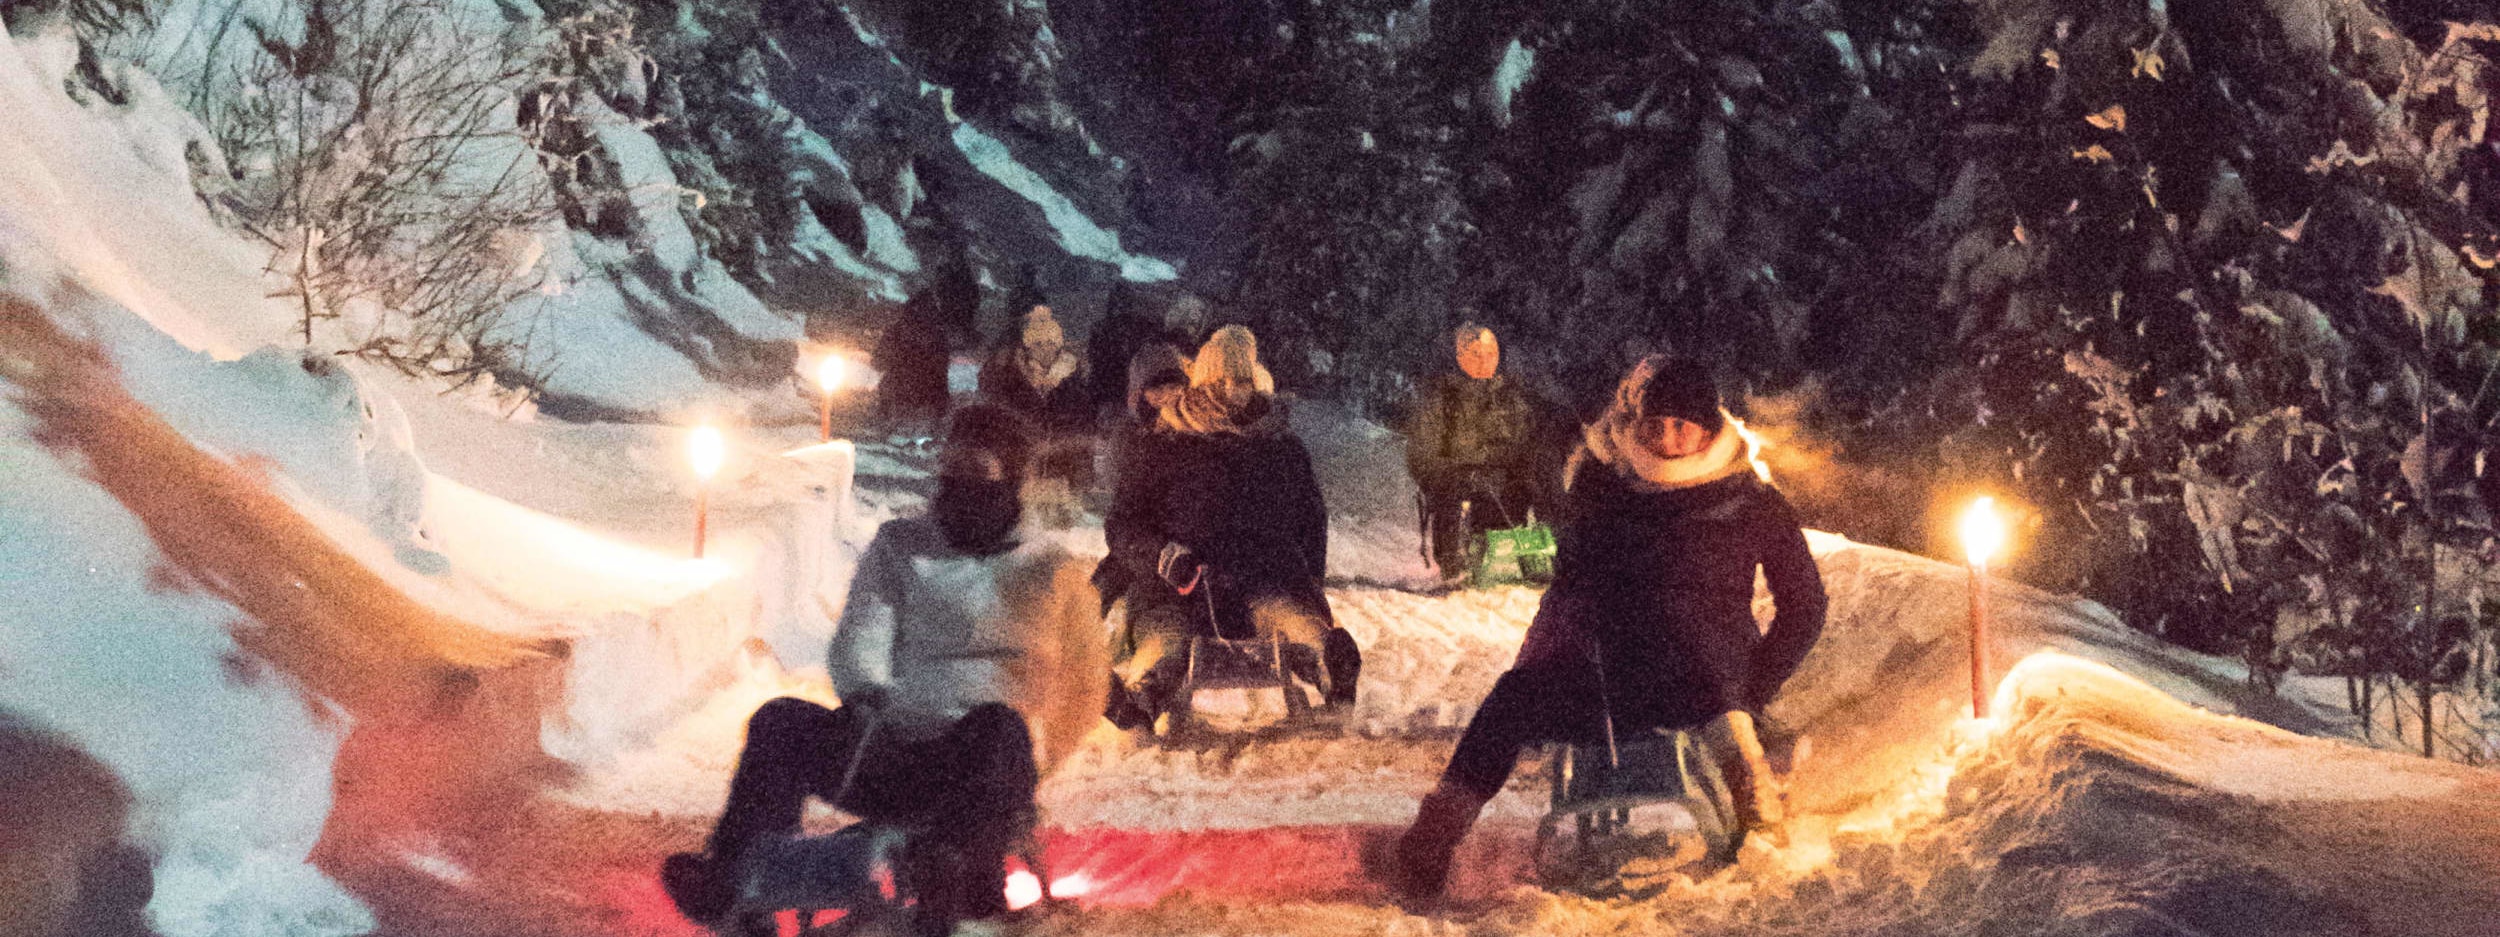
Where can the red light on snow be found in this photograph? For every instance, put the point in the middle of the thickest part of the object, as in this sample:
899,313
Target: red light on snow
1074,886
1023,890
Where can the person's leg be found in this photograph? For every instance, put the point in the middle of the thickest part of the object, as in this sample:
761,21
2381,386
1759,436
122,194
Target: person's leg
1159,630
971,791
1752,788
1526,706
1315,649
1449,541
793,749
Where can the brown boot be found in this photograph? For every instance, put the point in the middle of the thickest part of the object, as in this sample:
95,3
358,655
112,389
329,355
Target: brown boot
1752,788
1421,867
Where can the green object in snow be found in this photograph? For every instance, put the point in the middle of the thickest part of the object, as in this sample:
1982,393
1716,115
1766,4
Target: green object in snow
1515,554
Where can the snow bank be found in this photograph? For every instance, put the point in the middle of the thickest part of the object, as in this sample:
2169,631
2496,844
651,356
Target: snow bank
229,763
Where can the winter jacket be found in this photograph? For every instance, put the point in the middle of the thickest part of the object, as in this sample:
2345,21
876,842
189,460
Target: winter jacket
1657,585
1239,493
1134,439
939,631
1061,406
1462,426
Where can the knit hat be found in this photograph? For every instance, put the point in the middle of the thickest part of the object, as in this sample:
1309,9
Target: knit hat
1230,358
1658,387
1681,388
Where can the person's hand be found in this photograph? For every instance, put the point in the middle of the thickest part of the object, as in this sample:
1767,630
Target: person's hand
872,697
1180,567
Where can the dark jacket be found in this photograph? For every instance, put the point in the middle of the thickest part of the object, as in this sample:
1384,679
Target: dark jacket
1064,409
1133,439
1660,585
1246,503
1461,425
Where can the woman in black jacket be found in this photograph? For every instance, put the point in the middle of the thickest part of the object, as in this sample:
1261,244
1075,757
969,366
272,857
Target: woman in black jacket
1221,518
1650,621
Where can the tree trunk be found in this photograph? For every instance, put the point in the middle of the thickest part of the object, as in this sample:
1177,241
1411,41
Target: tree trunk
2430,735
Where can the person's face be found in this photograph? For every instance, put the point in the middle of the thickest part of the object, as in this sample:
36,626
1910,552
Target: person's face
1673,437
971,464
1481,357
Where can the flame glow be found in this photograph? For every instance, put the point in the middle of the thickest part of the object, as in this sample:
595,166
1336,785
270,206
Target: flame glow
1023,890
706,450
829,372
1073,886
1983,534
1754,446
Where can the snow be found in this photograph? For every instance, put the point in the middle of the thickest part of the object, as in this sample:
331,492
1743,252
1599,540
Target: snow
232,777
1518,62
1076,233
363,653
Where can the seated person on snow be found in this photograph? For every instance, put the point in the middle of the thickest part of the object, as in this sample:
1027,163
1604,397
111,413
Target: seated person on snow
1650,620
1221,517
969,656
1470,440
1035,373
1156,376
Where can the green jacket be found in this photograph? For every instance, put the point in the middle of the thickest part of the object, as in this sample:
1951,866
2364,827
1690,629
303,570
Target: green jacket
1461,425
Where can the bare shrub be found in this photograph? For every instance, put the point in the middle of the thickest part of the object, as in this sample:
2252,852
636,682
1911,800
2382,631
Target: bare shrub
381,161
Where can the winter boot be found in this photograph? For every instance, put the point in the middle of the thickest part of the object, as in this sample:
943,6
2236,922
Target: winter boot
701,886
1123,709
1343,662
1753,789
1419,866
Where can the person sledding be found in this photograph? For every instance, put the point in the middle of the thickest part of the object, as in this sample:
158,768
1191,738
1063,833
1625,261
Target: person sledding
1649,623
966,662
1218,526
1470,447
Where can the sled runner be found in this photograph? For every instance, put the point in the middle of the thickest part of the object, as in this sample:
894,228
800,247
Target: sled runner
1217,663
1587,830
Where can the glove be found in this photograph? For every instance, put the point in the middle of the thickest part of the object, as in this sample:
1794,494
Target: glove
872,697
1180,567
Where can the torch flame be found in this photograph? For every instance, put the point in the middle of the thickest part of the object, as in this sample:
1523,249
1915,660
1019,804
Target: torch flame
1753,447
1983,534
829,372
707,450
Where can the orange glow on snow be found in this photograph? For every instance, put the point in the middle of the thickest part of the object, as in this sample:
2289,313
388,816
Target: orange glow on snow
1754,446
546,560
813,451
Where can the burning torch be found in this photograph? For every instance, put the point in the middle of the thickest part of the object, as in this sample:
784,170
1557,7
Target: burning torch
706,449
1983,534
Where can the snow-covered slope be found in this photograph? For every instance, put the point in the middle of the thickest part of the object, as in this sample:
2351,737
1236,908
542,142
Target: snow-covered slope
328,653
